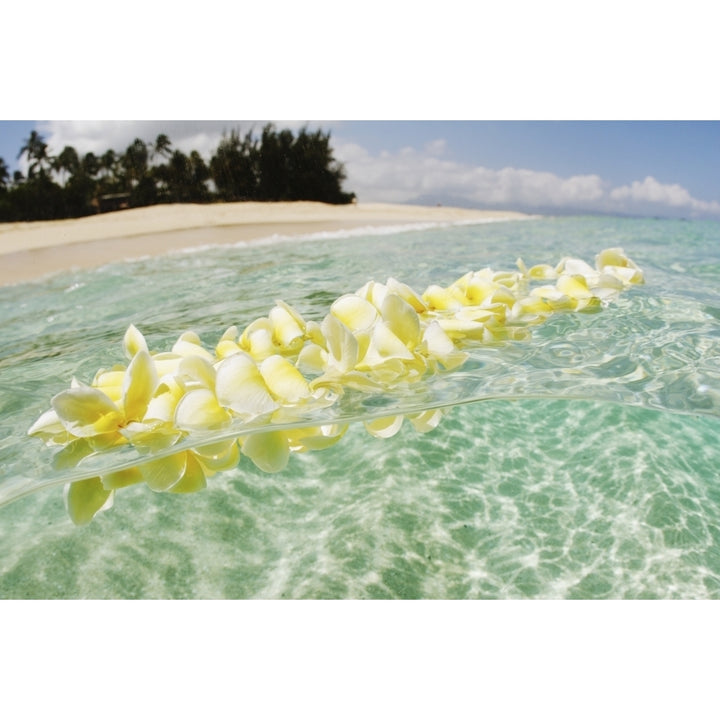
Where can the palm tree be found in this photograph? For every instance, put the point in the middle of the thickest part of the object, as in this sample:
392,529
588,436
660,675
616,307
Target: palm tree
161,147
35,148
90,164
179,177
200,175
66,162
108,162
135,161
4,174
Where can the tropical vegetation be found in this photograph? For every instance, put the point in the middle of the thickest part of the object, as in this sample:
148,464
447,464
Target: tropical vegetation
276,165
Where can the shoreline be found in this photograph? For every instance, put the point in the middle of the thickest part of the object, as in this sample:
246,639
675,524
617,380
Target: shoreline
33,250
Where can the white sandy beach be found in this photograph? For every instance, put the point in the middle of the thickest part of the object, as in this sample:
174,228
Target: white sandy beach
33,250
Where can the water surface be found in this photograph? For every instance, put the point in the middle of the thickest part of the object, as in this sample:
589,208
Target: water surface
580,463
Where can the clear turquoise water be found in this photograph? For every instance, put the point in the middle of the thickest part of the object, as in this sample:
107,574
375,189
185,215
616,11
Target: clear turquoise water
581,463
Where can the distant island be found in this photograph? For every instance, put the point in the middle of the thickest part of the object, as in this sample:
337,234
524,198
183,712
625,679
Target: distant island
276,166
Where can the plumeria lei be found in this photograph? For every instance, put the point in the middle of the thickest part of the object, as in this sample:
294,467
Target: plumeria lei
371,340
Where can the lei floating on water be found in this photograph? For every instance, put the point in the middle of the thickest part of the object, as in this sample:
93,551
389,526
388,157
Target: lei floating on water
281,366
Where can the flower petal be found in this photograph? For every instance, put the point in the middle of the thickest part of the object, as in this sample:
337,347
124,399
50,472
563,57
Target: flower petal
284,380
312,358
193,478
355,312
437,298
197,369
440,348
110,382
268,450
426,421
161,474
614,261
189,344
315,438
75,451
384,346
48,427
574,286
373,292
138,386
240,387
122,478
407,294
341,344
402,319
163,404
133,342
288,327
86,498
573,266
219,456
257,339
166,363
86,411
384,427
200,410
153,436
542,272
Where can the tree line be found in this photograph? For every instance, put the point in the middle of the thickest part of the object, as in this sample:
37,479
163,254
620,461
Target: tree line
277,165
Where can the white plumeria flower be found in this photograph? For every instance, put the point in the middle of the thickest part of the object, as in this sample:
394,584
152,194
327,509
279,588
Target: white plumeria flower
614,261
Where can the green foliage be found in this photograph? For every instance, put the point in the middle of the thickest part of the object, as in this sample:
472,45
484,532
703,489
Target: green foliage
162,146
67,161
276,166
4,175
232,168
279,167
91,165
144,193
135,163
35,148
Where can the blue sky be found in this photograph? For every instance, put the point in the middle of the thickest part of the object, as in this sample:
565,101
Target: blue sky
518,60
683,152
666,169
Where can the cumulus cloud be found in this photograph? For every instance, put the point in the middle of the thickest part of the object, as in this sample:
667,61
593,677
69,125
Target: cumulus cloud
651,192
410,174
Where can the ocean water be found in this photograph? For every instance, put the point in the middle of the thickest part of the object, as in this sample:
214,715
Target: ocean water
581,463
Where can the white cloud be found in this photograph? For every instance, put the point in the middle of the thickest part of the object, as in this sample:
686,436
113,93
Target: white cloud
97,136
652,192
409,173
436,147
